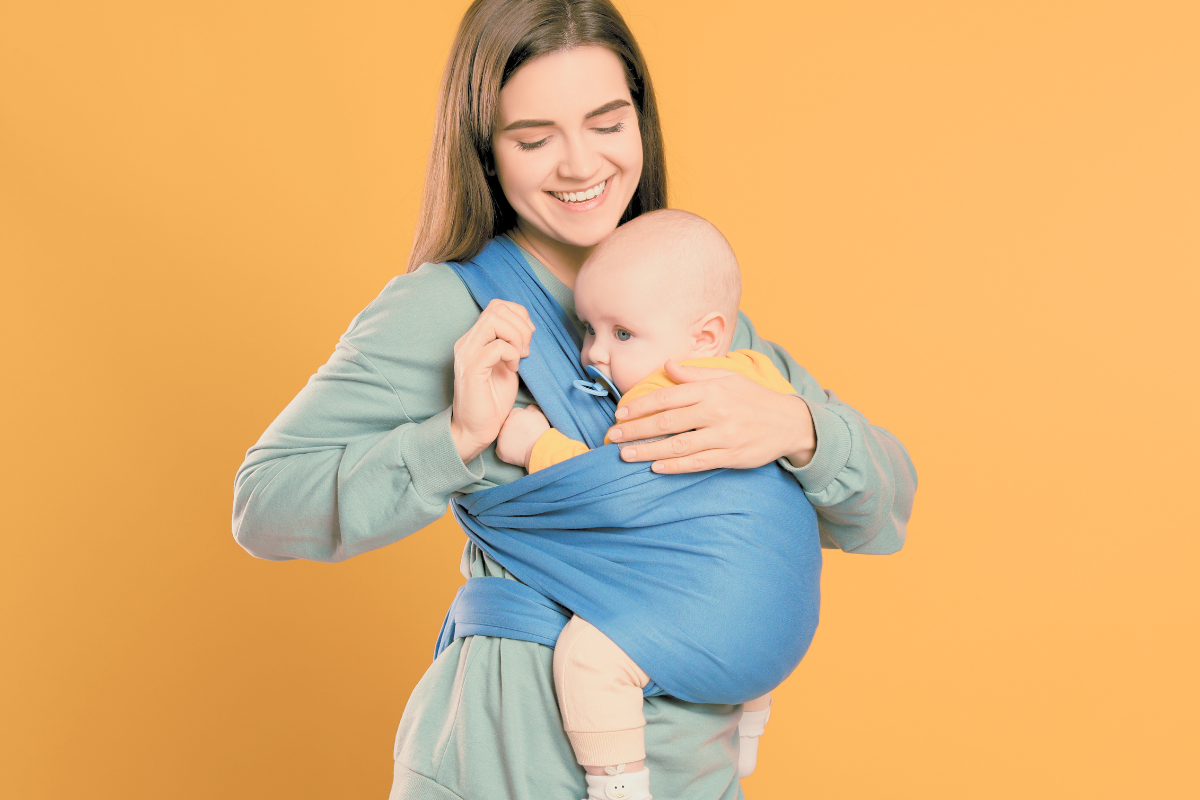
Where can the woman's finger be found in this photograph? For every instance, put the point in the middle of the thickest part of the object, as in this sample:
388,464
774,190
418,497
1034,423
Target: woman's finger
514,312
664,423
678,446
699,405
500,313
503,324
497,352
516,308
696,462
665,399
492,354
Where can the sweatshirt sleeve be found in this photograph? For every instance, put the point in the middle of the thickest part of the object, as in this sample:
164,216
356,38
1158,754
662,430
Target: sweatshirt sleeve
363,455
860,481
553,447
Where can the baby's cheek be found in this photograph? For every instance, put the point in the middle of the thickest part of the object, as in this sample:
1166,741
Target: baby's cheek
630,370
618,379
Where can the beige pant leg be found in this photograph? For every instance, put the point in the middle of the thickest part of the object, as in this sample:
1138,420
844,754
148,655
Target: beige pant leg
600,695
758,703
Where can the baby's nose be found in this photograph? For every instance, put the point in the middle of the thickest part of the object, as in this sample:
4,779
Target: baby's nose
595,354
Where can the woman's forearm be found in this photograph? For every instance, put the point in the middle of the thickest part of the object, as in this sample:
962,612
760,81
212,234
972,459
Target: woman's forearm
344,468
331,502
363,455
859,478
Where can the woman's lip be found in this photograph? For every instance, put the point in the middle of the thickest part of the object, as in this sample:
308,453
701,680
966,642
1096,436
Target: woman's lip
586,205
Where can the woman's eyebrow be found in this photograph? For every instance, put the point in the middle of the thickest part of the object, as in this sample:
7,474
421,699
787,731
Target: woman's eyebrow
529,123
545,123
607,107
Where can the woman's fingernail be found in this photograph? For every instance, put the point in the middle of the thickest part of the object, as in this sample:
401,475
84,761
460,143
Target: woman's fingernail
622,413
614,434
629,454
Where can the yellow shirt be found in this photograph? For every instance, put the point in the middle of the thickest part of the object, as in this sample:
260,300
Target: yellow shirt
553,447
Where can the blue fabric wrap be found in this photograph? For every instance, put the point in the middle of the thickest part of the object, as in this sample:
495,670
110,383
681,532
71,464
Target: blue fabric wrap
710,581
500,607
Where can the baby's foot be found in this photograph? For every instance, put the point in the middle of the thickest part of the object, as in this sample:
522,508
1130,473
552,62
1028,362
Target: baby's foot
750,727
619,785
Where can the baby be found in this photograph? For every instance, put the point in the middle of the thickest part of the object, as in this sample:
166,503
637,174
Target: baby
663,286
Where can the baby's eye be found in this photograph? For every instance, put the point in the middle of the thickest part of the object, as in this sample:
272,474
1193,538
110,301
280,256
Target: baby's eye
588,329
622,334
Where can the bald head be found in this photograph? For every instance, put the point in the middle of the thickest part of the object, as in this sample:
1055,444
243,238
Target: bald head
680,257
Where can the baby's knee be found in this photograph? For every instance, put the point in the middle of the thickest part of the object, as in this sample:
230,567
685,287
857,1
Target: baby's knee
585,655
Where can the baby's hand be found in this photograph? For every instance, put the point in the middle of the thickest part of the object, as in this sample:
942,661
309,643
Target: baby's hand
519,433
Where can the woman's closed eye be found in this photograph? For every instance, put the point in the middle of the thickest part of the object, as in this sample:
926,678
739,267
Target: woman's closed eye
588,329
617,128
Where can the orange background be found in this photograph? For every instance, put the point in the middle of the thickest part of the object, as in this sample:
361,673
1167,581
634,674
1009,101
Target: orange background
979,223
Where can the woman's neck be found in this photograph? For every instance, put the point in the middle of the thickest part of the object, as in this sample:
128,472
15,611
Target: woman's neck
562,259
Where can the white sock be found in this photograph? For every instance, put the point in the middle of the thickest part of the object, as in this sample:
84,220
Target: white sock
619,785
750,727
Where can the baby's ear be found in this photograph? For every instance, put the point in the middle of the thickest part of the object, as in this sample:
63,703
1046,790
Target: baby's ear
709,334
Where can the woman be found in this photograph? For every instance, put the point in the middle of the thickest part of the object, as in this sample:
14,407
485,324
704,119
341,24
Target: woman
547,132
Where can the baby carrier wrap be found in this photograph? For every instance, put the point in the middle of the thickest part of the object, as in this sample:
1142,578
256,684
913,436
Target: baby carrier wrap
710,581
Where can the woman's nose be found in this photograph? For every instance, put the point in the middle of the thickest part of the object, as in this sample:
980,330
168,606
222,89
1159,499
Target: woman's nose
580,161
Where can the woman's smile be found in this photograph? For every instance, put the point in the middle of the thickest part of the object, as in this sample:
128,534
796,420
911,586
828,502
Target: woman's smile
584,200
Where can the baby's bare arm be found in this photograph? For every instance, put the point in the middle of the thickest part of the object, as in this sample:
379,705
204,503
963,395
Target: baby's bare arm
519,433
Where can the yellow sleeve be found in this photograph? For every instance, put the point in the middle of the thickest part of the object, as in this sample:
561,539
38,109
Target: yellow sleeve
754,365
658,380
553,448
760,368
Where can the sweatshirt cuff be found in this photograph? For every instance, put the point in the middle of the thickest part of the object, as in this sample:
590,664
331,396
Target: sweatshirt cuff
433,462
541,456
833,450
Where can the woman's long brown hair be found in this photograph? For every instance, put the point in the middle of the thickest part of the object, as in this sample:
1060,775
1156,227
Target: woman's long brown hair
462,207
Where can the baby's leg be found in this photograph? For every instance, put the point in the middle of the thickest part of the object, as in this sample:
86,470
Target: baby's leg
751,726
600,695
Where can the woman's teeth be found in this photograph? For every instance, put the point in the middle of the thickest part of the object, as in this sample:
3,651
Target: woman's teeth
579,197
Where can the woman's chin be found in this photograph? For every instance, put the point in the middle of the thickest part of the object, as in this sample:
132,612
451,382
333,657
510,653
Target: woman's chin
582,233
580,228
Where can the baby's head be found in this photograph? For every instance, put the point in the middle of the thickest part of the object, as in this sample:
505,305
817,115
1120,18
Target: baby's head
663,286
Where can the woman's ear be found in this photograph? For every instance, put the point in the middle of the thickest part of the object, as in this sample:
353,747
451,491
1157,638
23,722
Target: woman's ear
708,335
489,165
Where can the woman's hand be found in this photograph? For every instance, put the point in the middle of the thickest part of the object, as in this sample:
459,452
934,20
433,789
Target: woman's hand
730,421
485,375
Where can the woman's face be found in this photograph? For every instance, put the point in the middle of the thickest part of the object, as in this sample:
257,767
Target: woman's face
567,147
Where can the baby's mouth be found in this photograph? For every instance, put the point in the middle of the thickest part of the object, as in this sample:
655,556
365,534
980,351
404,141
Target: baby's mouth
584,196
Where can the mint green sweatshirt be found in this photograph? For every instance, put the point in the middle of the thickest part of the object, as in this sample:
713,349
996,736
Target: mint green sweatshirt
363,456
